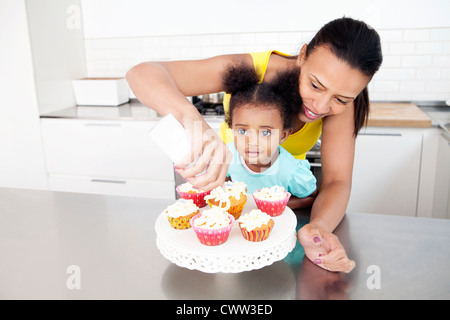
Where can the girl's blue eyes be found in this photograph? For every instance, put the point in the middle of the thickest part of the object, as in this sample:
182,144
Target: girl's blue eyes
264,133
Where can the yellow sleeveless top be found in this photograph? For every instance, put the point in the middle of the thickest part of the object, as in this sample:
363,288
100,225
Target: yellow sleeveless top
297,143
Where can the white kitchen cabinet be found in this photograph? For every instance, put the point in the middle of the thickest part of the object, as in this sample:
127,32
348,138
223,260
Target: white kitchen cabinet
106,157
113,186
386,172
434,175
441,195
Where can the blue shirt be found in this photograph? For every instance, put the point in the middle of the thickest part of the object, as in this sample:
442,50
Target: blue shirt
294,175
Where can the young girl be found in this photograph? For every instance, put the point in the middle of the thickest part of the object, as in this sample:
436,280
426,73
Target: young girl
261,119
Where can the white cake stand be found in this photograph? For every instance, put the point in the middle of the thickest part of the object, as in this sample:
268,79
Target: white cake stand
237,254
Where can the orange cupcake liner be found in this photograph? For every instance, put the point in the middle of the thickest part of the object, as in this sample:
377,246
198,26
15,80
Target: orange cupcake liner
236,206
257,234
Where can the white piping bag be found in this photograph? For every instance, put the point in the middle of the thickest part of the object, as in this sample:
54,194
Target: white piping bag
172,138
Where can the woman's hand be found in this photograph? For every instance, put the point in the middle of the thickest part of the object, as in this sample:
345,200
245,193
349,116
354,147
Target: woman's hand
209,153
324,249
164,86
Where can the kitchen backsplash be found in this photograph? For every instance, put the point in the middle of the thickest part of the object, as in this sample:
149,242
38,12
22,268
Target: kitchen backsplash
416,64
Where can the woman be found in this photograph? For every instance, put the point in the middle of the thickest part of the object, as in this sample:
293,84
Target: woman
335,69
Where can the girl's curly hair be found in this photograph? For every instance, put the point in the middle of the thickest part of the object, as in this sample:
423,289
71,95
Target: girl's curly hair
281,93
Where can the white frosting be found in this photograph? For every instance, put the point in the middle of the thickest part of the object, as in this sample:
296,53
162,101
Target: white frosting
235,189
181,208
213,218
271,193
218,194
254,219
232,189
187,187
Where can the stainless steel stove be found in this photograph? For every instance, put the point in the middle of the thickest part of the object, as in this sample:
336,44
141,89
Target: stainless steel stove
208,107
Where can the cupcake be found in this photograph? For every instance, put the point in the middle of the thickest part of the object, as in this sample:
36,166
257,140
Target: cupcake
272,200
234,196
256,225
180,213
187,191
212,226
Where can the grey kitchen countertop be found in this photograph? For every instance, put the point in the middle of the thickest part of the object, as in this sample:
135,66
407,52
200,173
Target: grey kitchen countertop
133,110
59,245
136,111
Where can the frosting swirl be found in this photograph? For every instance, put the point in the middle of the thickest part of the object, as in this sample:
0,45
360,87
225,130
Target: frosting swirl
182,207
187,187
232,189
220,195
254,219
271,193
235,189
213,218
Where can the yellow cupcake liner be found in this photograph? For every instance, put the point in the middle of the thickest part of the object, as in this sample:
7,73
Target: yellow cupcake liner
181,223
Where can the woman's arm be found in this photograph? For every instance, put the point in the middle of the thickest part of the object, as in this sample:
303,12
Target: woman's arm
337,150
297,203
163,86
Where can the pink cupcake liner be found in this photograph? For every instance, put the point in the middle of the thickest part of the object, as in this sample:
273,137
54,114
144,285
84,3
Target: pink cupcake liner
198,197
272,207
212,237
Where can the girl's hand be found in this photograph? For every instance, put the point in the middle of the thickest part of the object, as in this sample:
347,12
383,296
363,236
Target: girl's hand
209,153
324,249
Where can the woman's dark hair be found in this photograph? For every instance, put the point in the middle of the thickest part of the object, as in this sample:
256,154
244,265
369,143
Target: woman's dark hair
242,81
357,44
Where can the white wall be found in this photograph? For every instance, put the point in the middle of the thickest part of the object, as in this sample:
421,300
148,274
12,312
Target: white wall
57,46
40,53
415,35
21,157
140,18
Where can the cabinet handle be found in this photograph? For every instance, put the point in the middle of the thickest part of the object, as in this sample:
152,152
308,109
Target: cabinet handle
108,181
381,134
102,124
